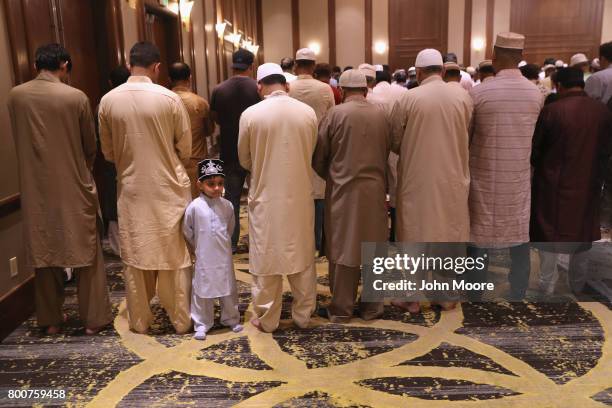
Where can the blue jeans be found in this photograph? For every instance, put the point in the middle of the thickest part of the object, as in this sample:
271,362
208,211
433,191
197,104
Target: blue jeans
234,181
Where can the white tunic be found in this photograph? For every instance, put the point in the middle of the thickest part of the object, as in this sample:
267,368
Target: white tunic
208,227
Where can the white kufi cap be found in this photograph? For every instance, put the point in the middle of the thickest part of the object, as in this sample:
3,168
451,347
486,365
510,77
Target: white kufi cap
267,69
428,57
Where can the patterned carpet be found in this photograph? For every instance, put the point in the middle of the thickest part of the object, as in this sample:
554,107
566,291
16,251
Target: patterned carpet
489,354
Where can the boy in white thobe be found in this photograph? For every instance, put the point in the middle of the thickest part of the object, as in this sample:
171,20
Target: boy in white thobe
208,225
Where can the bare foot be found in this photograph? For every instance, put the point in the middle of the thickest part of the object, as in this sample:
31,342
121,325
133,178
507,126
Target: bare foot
412,307
90,331
255,322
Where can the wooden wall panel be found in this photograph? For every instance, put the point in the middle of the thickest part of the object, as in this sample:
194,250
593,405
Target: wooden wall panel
557,28
413,26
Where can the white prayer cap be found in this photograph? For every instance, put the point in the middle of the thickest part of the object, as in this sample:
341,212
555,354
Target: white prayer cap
522,64
305,54
353,78
379,67
428,58
595,63
548,66
509,40
470,70
368,70
412,71
578,59
267,69
559,63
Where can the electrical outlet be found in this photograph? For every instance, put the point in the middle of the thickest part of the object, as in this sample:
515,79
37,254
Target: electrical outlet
13,267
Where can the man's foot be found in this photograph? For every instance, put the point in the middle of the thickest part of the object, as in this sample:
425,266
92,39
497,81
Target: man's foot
412,307
446,306
237,328
200,334
90,331
255,322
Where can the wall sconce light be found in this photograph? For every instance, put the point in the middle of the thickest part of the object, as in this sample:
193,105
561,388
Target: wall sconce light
186,7
315,47
132,4
380,47
220,28
478,44
234,38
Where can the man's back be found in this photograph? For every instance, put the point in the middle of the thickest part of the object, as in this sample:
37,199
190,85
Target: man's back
599,85
506,109
229,99
56,146
199,116
316,94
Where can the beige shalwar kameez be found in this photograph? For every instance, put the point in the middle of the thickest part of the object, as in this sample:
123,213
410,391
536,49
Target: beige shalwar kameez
144,130
275,144
56,146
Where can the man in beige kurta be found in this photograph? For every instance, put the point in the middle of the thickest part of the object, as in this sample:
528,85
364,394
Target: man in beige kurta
56,147
320,97
144,130
430,134
351,153
275,144
199,116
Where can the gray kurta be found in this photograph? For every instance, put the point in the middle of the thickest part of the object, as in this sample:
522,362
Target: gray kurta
351,154
56,146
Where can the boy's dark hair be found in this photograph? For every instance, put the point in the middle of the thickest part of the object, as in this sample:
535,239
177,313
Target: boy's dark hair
274,79
570,77
49,57
322,70
179,71
119,75
400,76
143,54
605,50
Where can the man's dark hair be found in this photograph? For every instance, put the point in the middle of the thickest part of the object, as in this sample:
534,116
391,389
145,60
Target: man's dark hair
287,63
549,61
304,63
570,77
432,69
119,75
400,76
386,68
49,57
450,57
179,71
453,73
336,69
274,79
530,71
383,76
347,68
487,69
605,50
143,54
322,70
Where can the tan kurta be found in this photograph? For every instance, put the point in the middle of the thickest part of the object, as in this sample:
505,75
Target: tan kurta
506,109
144,130
351,153
56,147
276,141
201,127
430,133
320,97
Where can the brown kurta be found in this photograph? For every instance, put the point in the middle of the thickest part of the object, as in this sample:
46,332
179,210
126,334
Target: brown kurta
569,153
201,127
351,154
144,130
430,133
56,146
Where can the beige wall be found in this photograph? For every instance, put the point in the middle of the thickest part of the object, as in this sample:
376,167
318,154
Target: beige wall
314,26
479,22
380,30
606,32
350,32
456,24
11,242
277,31
130,28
